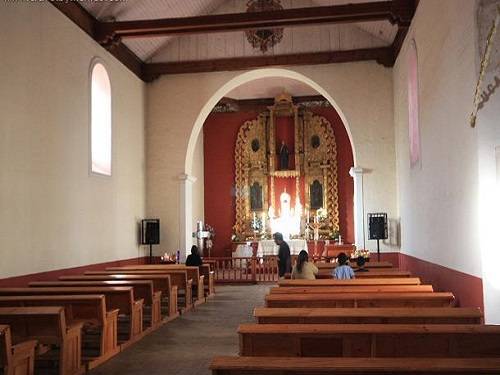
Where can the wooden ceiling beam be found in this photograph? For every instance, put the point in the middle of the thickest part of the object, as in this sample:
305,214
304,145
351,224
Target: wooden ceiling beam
394,11
259,104
382,55
85,21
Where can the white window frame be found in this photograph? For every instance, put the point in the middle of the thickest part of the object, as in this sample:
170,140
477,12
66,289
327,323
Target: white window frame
98,61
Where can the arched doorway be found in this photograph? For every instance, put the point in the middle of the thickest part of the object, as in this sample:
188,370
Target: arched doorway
186,181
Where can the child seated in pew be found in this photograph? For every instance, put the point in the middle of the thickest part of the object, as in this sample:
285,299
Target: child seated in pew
343,271
303,269
360,262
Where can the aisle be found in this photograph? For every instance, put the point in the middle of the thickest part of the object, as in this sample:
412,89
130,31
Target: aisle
187,345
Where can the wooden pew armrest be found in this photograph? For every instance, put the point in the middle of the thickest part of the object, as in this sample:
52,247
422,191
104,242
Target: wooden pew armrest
112,313
24,348
138,303
74,328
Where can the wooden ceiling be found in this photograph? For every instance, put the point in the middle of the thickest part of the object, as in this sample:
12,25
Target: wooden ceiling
212,39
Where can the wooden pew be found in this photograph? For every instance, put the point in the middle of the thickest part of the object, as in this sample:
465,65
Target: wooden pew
370,340
353,289
436,299
383,265
193,273
353,366
353,282
377,315
89,309
121,298
178,278
48,326
161,283
209,279
143,289
16,359
370,274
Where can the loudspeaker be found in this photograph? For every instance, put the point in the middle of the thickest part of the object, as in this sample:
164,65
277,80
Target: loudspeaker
150,232
377,226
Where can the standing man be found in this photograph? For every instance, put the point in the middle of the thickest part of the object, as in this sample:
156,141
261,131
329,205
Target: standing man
284,259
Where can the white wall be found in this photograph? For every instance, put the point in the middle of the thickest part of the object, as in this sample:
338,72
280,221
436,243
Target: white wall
488,129
362,91
53,214
438,202
199,184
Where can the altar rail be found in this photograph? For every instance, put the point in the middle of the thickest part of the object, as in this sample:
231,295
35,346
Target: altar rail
247,269
244,270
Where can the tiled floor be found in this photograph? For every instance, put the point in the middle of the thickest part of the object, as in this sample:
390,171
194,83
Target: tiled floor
186,345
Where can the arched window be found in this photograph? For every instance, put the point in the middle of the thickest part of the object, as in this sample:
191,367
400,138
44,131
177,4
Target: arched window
100,129
413,121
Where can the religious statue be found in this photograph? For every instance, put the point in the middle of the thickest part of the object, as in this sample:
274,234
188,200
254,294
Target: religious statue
316,195
256,196
283,154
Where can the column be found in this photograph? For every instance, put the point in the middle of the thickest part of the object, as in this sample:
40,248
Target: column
359,208
186,214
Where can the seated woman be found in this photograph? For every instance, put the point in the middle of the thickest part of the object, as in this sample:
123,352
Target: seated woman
343,271
194,258
303,269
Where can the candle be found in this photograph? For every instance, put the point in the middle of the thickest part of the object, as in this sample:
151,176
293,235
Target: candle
263,221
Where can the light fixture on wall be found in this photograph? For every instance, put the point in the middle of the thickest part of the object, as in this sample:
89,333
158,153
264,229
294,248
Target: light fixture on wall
264,39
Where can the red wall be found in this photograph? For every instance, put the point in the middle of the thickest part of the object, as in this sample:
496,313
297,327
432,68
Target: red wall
220,131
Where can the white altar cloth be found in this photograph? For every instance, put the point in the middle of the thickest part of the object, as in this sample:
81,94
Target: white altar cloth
268,247
243,251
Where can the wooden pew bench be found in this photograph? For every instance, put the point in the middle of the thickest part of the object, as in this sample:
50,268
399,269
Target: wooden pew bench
59,342
370,340
16,359
436,299
353,366
353,289
161,283
370,274
353,282
377,315
377,265
100,325
193,273
143,289
178,278
122,298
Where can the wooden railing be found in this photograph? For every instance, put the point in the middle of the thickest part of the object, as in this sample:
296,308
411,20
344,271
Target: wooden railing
244,270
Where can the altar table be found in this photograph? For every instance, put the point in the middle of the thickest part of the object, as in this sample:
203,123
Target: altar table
268,247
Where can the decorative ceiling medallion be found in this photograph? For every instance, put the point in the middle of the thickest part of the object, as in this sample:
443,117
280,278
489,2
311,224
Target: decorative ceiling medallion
264,38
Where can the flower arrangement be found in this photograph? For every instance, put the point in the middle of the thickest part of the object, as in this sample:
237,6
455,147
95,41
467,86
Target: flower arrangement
256,224
211,230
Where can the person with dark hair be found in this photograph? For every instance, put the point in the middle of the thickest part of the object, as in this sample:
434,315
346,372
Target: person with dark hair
194,258
304,269
343,271
360,262
284,259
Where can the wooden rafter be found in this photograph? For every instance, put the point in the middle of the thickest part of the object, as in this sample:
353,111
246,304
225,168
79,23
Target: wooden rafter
393,11
382,55
110,35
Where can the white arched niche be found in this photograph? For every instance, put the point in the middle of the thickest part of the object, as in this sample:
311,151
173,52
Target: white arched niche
186,179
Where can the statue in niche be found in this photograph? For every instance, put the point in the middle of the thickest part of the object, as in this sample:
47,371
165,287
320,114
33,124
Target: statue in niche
316,191
256,196
283,154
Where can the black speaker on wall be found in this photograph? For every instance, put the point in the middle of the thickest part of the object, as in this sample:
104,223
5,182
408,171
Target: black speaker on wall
377,226
150,230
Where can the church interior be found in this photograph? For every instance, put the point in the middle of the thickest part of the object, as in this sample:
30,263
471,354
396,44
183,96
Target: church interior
170,167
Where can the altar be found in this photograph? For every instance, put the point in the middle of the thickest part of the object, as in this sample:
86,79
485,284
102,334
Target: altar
269,247
286,169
